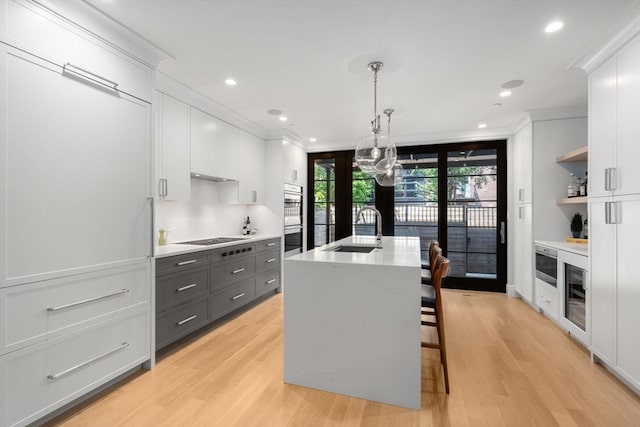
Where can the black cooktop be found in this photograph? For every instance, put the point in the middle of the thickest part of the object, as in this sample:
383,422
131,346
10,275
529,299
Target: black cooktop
212,241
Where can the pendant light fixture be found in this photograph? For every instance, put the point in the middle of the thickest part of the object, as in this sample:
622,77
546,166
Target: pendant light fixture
392,176
376,153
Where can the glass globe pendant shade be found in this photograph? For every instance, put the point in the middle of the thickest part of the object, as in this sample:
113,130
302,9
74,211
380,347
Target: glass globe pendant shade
391,177
375,153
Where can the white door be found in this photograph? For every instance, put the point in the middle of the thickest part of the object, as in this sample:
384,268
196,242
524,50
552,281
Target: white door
76,172
602,283
204,144
602,126
628,296
176,159
628,124
523,262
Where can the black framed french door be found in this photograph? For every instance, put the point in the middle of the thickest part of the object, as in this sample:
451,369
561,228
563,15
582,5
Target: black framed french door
454,193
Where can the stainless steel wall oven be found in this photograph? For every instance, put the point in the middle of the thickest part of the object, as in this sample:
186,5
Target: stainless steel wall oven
293,219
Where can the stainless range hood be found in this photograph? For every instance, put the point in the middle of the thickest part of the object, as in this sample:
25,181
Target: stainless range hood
210,178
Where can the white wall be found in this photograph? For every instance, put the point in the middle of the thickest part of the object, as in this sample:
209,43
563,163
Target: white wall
203,216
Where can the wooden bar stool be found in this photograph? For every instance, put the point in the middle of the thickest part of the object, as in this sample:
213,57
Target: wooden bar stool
431,303
425,273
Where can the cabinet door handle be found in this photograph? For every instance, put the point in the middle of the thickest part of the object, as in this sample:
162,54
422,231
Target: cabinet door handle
238,296
294,175
270,260
88,362
606,180
88,300
254,196
184,288
88,75
188,319
520,212
268,282
153,225
240,270
521,194
191,261
271,244
166,187
613,213
612,179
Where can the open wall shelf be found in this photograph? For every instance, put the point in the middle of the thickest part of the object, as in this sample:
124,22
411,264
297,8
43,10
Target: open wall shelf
572,200
579,155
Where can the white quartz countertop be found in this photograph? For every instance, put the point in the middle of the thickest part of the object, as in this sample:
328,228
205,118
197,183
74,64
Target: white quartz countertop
396,251
178,249
576,248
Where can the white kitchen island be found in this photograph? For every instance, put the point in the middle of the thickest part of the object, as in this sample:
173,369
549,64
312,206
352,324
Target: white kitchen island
352,320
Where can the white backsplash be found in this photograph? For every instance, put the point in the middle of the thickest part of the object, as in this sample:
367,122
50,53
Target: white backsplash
202,216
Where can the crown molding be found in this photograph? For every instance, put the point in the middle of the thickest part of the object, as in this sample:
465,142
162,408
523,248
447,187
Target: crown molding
287,135
614,38
557,113
521,123
86,18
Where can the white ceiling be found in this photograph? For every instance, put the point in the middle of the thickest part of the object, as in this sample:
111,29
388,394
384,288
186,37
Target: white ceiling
444,60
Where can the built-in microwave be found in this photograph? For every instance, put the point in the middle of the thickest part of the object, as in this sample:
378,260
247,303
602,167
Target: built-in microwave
547,265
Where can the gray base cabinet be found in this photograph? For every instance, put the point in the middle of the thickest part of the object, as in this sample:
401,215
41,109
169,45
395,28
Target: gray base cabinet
193,290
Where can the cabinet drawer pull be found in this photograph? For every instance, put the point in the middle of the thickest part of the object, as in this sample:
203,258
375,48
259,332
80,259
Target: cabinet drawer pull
240,270
271,244
191,261
188,319
73,304
81,72
238,296
184,288
268,282
271,260
88,362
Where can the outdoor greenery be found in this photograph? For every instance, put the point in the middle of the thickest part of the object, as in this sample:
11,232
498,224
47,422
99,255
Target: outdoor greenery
415,187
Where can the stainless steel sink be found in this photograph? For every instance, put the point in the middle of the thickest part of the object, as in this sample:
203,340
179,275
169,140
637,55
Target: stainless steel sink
352,248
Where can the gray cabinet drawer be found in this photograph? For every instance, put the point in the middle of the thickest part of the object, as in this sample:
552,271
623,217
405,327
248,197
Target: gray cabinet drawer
228,300
180,321
232,272
179,263
267,261
176,288
267,282
266,245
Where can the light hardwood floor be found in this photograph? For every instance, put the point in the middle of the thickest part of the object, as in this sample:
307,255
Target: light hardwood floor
509,366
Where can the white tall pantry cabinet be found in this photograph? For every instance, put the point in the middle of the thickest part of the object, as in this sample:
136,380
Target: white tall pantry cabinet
75,218
614,212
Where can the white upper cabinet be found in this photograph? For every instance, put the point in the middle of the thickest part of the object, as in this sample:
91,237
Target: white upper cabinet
523,251
228,151
523,162
174,135
614,90
294,161
251,165
204,143
627,176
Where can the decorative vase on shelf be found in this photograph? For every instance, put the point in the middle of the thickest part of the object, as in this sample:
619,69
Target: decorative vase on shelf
576,225
163,238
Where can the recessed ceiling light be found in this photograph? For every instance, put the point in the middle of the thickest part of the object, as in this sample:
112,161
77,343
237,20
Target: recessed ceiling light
312,139
482,125
231,82
511,84
505,93
283,118
554,26
274,112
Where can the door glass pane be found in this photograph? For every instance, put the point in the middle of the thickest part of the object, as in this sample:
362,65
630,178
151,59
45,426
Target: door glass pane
472,233
324,184
416,199
363,190
574,297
